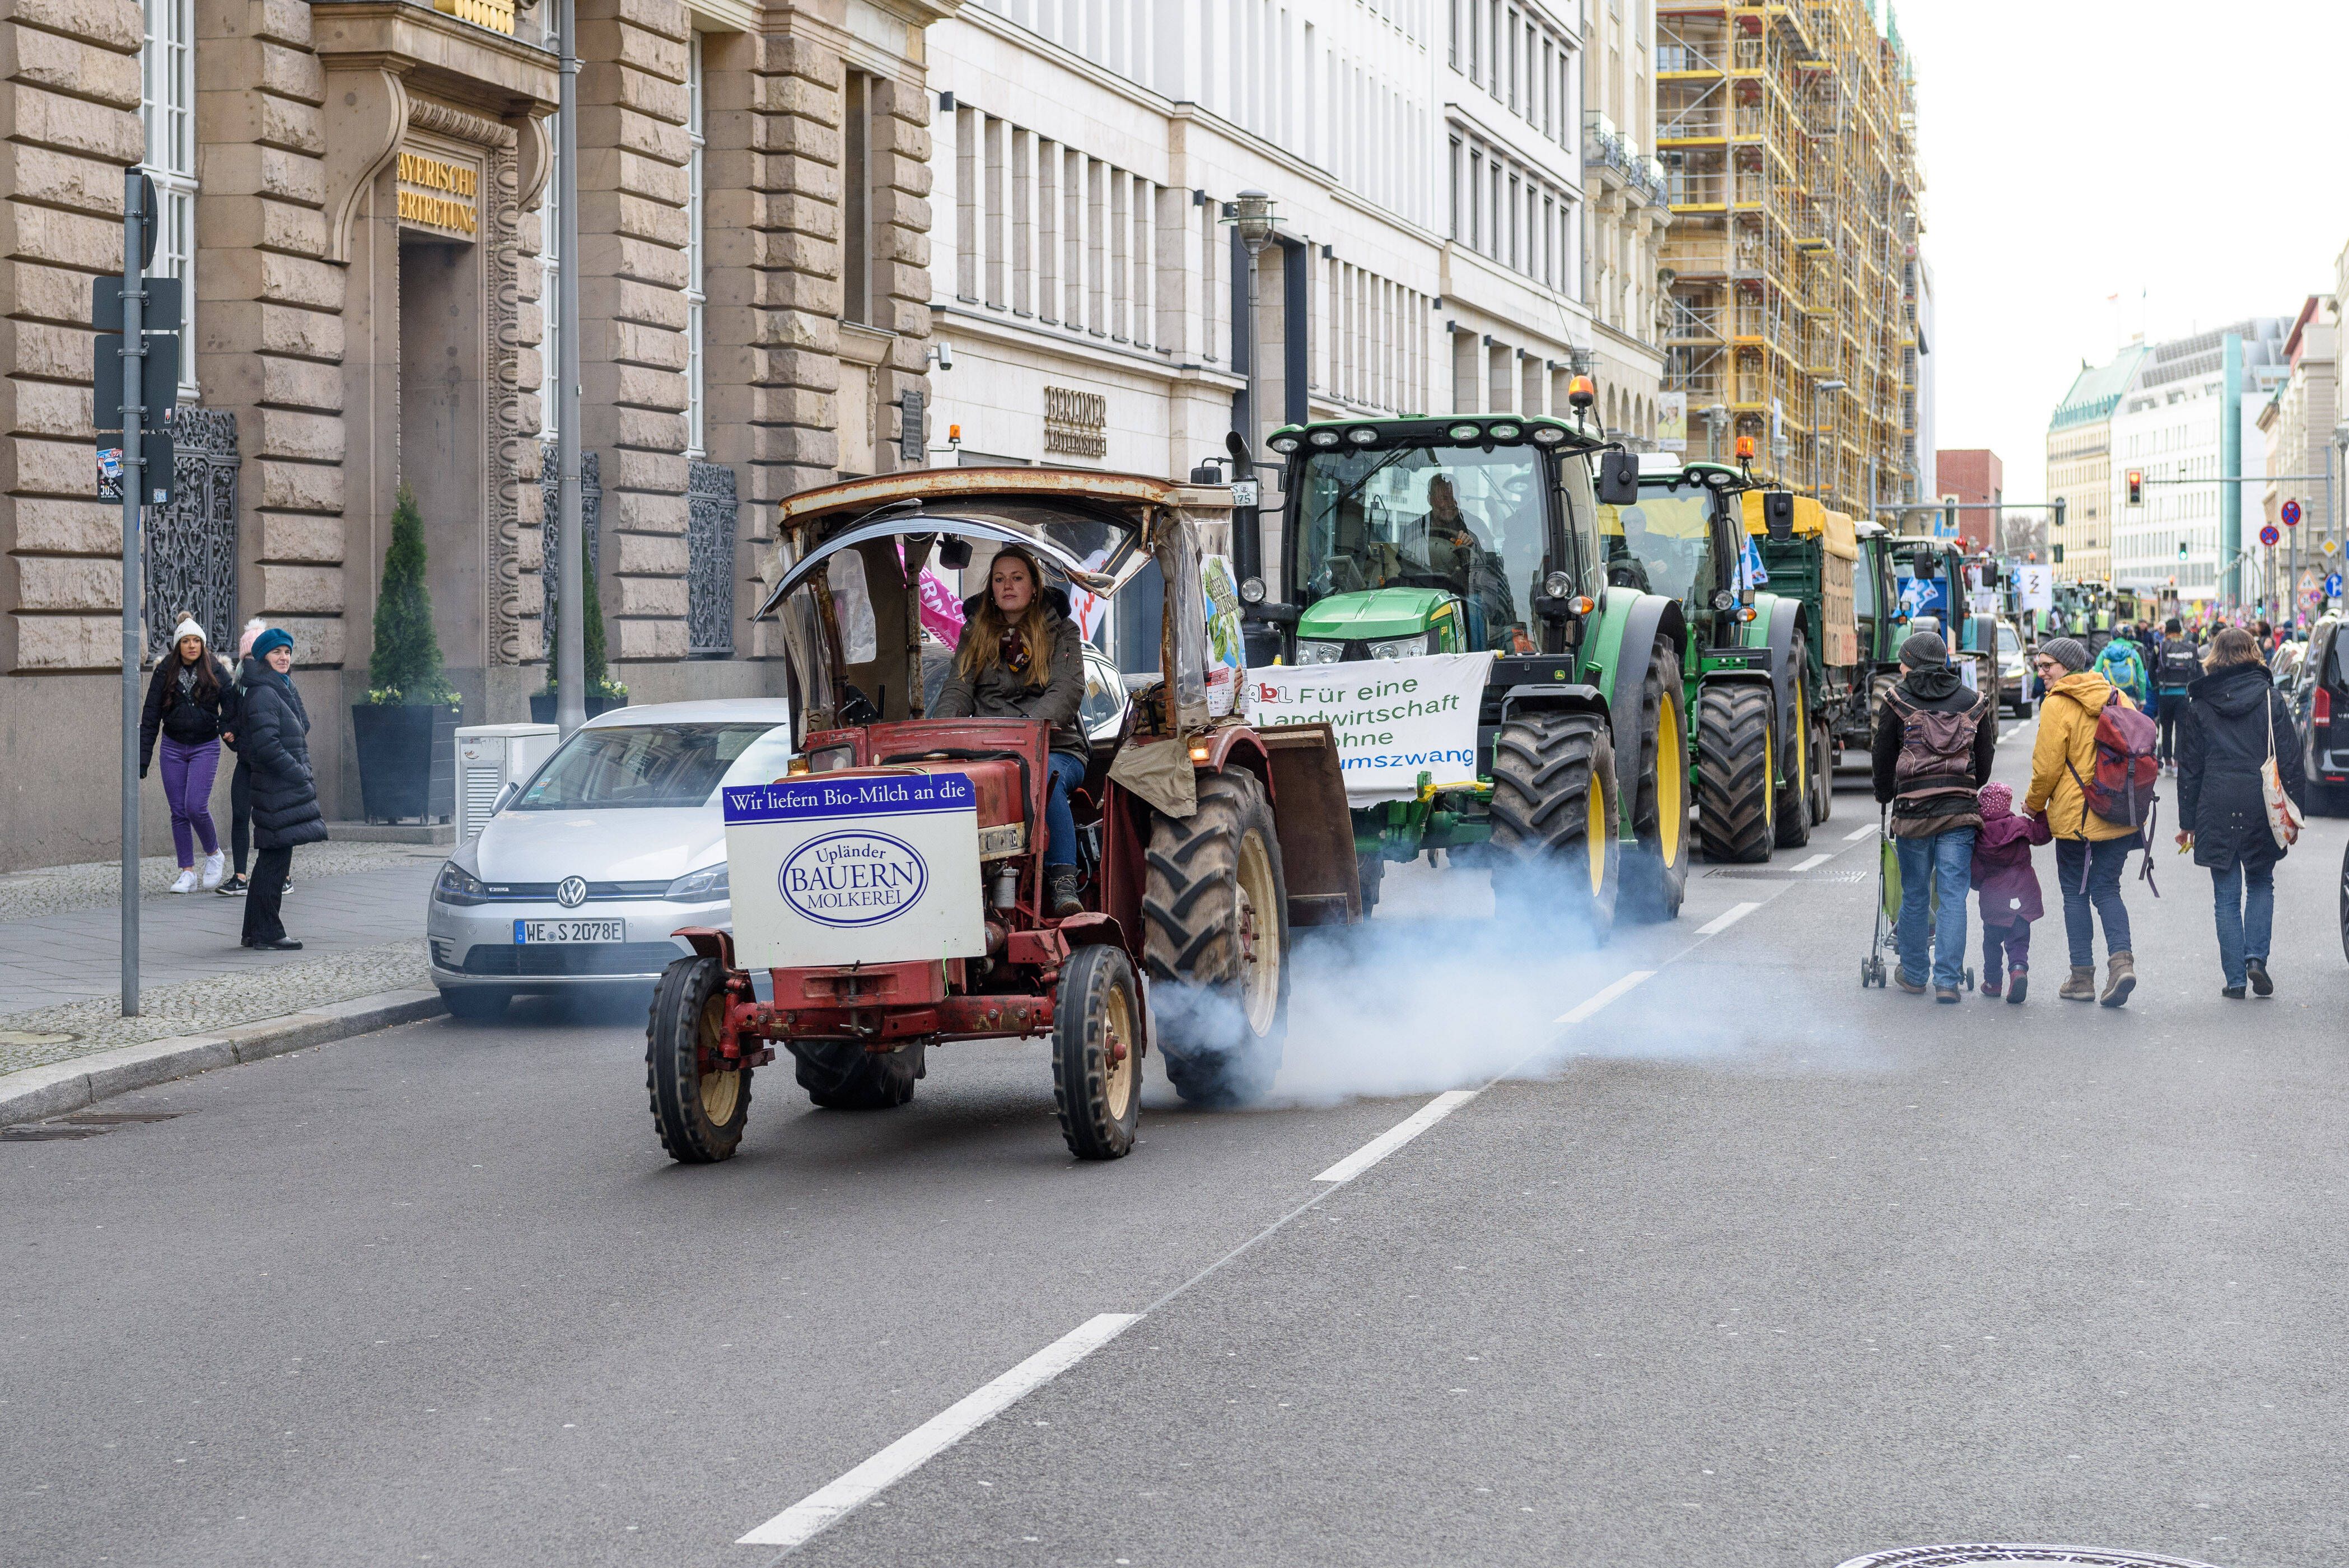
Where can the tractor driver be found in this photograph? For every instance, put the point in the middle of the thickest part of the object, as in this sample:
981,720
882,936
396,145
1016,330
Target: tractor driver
1447,544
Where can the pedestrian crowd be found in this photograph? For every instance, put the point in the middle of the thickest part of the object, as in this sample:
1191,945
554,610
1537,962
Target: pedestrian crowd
2224,732
197,704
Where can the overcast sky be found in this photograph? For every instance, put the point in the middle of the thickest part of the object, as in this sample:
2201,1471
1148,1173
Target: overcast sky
2186,158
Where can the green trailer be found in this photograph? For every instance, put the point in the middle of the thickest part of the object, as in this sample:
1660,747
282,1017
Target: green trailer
1404,537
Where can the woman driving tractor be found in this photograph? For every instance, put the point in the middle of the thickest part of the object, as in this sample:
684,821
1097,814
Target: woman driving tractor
1020,657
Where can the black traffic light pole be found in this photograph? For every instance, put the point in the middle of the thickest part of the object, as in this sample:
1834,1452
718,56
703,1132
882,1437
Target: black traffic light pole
138,193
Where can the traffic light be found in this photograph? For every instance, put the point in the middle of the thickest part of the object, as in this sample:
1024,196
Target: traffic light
2181,549
2060,505
2136,487
2059,554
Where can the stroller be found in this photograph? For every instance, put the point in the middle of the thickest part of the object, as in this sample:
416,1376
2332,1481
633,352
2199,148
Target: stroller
1872,970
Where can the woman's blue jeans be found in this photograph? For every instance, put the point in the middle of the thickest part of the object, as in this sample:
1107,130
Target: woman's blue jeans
2100,899
1060,822
2245,896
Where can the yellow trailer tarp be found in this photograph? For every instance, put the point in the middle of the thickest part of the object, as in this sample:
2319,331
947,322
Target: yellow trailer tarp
1810,517
1843,538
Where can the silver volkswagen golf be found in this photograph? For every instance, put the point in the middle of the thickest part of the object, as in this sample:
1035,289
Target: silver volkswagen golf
618,839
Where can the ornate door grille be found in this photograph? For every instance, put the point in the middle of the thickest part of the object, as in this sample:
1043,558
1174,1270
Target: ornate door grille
189,549
709,560
591,510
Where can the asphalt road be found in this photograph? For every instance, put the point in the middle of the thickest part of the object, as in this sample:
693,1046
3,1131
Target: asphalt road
1746,1266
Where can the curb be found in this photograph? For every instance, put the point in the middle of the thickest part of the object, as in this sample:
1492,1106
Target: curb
38,1093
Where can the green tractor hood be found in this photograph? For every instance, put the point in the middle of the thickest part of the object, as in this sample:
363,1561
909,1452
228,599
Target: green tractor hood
1374,614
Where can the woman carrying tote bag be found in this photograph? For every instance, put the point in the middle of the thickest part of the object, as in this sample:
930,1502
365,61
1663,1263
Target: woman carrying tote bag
2236,738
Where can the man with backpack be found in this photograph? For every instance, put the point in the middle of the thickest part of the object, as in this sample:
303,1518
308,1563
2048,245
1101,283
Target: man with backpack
2122,664
1934,744
2092,772
2175,667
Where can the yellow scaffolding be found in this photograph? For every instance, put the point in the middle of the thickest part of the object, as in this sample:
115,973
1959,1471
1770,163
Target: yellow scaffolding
1788,132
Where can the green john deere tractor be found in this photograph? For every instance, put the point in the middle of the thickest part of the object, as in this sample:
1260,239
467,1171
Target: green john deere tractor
1410,537
1684,538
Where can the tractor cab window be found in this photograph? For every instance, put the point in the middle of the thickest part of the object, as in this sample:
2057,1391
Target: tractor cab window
1459,520
1664,544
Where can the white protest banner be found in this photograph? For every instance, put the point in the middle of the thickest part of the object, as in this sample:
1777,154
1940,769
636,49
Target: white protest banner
1393,719
2035,586
848,870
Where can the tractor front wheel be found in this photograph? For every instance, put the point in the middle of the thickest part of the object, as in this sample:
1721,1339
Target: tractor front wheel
1555,810
1097,1053
699,1105
1215,916
1736,804
1655,874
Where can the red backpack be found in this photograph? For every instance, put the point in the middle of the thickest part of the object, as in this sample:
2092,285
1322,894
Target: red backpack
2119,788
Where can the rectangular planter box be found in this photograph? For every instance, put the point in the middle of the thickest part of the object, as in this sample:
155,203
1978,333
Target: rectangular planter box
408,761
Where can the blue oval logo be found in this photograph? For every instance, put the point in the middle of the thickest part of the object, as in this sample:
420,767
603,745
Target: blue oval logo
856,878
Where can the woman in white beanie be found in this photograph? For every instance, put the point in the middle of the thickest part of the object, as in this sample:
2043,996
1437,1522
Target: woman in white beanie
183,707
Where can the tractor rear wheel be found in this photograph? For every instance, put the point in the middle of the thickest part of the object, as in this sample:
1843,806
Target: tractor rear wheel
1825,754
843,1075
698,1110
1097,1053
1215,943
1736,804
1655,874
1555,810
1370,872
1795,802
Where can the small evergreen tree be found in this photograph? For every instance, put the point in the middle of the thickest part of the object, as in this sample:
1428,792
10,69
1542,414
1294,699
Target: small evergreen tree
406,664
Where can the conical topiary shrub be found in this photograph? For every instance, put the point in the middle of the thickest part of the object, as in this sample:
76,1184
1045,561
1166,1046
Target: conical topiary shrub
405,668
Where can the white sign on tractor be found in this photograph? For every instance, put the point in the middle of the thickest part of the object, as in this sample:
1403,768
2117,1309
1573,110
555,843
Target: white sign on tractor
859,869
2035,586
1393,719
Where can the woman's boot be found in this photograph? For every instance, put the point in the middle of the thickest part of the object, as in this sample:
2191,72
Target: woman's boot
2120,980
2081,987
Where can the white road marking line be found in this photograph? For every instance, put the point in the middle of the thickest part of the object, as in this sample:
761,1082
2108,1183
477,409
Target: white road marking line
1395,1136
1590,1005
820,1510
1813,863
1729,918
1855,837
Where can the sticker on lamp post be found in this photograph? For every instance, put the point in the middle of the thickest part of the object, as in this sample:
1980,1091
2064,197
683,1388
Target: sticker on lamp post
854,870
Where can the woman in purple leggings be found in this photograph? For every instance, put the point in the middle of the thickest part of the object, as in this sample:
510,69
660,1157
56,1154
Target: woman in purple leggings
183,709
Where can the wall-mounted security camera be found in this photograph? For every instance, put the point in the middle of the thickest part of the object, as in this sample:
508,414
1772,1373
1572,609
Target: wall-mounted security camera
944,355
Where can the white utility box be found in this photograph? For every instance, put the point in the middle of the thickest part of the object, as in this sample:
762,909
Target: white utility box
489,758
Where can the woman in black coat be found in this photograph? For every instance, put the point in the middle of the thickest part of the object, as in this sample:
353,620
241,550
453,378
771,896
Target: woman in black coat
273,734
2234,715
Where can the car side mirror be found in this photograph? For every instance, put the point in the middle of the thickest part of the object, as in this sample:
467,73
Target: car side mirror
505,796
1619,479
1779,515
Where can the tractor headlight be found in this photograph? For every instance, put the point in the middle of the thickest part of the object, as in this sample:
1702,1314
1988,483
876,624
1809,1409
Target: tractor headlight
1557,585
1465,433
706,885
1252,591
1283,444
1548,435
1404,647
1323,438
1309,651
459,885
1362,435
1506,430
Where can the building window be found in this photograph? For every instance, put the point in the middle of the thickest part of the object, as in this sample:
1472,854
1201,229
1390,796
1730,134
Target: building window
856,203
696,295
167,107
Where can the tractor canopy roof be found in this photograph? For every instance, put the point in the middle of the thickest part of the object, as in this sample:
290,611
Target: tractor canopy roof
1463,430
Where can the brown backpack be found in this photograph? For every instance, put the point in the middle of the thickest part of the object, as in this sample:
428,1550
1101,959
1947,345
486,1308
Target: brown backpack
1937,750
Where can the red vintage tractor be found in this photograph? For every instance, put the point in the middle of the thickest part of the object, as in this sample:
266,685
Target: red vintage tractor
892,884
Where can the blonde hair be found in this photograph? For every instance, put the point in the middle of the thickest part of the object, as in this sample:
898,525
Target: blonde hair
982,640
2232,646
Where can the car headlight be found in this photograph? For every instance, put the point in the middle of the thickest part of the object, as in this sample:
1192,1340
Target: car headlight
703,887
1309,651
1404,647
459,885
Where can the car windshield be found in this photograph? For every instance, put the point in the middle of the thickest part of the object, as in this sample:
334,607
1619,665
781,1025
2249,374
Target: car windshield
1662,544
2007,641
657,766
1460,520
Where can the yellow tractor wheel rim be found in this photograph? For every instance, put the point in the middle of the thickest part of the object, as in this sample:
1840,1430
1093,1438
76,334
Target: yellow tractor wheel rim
1117,1042
1595,835
720,1092
1672,765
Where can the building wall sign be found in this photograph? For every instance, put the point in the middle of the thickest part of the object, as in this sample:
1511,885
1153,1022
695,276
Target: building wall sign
436,193
1076,424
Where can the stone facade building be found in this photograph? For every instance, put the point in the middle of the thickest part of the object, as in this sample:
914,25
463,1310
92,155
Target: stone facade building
357,195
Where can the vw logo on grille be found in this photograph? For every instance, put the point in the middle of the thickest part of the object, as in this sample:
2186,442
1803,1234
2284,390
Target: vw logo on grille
571,892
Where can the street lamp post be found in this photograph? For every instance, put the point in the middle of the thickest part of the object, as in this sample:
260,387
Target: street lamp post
572,587
1252,220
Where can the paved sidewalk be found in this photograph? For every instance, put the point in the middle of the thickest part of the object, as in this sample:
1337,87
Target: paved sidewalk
358,909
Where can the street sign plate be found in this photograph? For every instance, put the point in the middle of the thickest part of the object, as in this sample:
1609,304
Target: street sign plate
2333,585
160,382
2329,546
163,304
2291,513
2268,533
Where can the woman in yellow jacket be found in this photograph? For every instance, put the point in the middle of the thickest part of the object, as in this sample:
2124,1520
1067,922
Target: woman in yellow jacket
2089,851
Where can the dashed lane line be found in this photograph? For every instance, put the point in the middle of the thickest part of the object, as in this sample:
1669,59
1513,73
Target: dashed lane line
1813,863
1857,833
1395,1136
1591,1004
1726,919
818,1510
